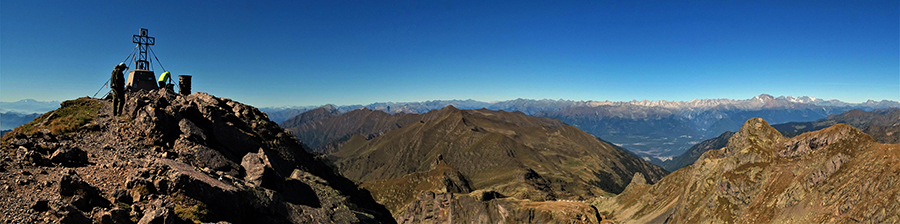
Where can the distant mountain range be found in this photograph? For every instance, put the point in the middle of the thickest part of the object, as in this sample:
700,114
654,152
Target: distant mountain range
530,106
655,130
14,114
28,106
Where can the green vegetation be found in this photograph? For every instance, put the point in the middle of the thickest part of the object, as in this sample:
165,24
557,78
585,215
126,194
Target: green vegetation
122,205
189,209
141,190
195,213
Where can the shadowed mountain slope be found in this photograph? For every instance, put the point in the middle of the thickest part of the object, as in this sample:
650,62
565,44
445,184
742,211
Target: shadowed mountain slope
511,154
835,175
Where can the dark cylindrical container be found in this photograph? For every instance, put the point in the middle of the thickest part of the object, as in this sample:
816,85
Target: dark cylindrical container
184,84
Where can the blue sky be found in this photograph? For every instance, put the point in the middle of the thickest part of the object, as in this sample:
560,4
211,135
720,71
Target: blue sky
359,52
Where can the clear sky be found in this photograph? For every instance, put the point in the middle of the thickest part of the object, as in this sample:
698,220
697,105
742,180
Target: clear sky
270,53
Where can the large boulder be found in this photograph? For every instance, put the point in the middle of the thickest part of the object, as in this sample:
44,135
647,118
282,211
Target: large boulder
158,213
69,156
80,193
68,214
259,169
114,216
27,156
203,156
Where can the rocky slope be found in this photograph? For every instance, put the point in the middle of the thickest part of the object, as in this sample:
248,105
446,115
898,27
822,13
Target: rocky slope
453,156
169,159
835,175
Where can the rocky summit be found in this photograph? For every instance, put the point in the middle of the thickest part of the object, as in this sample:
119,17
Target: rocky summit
835,175
169,159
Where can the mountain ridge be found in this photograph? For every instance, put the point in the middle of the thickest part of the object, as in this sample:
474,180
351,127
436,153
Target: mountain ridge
655,130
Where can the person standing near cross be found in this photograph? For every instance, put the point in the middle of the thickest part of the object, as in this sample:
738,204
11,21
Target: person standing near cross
117,84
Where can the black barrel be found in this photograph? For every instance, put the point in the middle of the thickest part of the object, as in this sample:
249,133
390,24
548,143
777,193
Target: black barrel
184,84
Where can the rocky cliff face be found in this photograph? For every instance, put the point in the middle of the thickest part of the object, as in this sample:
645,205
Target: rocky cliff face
835,175
169,159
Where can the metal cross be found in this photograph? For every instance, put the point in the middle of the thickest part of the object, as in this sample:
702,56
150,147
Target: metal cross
143,42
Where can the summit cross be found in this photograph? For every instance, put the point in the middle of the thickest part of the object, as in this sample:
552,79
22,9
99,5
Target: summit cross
143,42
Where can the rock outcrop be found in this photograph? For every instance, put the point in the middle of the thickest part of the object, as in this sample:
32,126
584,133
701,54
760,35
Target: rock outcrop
170,159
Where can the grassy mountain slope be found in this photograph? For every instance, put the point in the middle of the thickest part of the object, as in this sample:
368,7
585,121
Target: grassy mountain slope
512,154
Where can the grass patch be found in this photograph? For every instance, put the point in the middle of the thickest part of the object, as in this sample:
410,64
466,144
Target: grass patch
189,209
122,205
141,189
196,213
